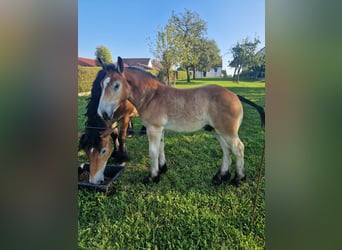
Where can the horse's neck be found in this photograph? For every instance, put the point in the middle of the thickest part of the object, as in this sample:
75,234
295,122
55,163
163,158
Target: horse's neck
142,89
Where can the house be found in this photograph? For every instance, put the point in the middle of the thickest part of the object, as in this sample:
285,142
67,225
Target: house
86,62
143,63
213,72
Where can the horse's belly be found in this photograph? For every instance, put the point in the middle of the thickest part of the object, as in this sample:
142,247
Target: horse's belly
185,125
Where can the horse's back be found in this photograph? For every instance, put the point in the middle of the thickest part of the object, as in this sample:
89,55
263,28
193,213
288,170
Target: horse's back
193,108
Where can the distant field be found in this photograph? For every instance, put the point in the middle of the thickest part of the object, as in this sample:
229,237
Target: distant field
184,210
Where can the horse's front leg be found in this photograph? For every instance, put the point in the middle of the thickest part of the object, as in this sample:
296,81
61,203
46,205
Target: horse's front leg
123,154
154,136
114,136
162,161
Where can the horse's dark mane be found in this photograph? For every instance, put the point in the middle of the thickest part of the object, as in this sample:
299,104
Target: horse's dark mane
145,73
94,123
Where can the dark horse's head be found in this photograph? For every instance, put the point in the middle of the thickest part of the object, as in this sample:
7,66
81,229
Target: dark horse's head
95,140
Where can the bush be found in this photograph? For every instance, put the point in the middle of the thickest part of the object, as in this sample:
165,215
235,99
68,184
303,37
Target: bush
181,75
153,72
86,76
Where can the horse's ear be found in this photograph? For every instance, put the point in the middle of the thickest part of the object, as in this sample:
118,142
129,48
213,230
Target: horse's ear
120,65
100,61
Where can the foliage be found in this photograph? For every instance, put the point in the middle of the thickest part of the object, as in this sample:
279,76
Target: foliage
183,211
181,75
153,72
182,42
243,56
257,69
165,51
86,76
209,55
189,29
103,53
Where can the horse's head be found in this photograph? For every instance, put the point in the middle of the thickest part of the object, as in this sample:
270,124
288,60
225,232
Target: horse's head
98,155
114,90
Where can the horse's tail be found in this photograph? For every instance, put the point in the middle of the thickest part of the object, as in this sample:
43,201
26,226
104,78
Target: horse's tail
259,108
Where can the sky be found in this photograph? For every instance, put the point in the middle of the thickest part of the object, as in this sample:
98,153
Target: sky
126,27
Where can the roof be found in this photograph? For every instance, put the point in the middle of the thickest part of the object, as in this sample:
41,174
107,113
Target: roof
143,63
86,62
137,62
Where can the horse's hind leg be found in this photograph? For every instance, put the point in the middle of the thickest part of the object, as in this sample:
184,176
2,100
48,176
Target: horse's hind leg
223,173
238,149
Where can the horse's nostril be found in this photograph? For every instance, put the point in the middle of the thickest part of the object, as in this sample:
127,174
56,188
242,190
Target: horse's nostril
105,116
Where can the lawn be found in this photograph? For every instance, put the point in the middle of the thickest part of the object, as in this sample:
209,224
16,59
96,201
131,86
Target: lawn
184,210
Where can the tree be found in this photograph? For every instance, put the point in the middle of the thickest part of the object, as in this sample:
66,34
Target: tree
257,67
209,56
243,56
103,53
189,29
165,50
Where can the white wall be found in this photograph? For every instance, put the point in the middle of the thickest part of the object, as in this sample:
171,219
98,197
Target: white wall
210,73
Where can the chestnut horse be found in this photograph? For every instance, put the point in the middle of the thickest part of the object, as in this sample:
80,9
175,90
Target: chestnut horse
96,139
182,110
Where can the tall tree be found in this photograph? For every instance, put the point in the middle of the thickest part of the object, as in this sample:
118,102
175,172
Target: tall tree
103,53
243,56
257,67
189,28
164,49
209,56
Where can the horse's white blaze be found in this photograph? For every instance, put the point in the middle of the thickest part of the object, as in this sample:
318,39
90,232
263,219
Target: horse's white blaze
91,150
99,176
100,107
105,82
106,106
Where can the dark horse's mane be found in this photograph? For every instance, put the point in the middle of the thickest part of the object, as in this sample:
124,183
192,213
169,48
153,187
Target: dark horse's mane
145,73
94,123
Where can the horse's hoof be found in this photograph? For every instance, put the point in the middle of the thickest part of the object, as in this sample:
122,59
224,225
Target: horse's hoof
163,169
148,180
236,182
218,178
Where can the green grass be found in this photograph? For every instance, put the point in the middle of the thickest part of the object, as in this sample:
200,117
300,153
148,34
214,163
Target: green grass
184,210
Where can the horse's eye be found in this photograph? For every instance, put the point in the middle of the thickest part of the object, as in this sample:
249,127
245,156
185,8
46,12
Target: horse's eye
103,151
116,86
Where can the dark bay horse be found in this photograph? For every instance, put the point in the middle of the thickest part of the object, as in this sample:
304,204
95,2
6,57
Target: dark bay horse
96,139
183,110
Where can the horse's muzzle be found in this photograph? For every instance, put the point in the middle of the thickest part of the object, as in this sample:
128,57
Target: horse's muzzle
105,116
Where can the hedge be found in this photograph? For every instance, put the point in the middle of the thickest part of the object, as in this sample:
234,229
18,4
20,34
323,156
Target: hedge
86,76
